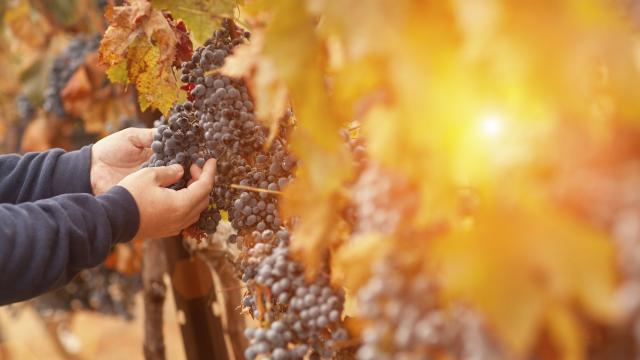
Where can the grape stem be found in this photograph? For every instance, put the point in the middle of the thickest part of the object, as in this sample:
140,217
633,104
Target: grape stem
251,188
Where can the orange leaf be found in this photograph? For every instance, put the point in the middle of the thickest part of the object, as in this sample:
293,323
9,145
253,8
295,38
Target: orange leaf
76,95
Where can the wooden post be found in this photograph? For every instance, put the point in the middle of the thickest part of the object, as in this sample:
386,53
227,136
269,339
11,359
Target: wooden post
193,289
153,270
230,295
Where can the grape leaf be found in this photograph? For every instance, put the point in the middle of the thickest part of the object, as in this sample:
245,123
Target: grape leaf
364,249
147,43
118,72
202,17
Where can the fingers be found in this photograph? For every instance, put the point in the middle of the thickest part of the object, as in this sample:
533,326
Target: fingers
194,213
197,209
195,171
209,169
167,175
141,138
200,188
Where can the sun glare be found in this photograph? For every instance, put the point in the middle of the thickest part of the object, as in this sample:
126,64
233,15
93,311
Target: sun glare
492,125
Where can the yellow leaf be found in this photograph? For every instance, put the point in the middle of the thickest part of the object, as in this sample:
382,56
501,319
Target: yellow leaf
117,73
565,332
309,239
156,86
361,250
515,271
299,62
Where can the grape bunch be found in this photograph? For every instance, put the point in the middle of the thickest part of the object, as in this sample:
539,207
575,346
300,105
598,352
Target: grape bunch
357,147
218,122
64,66
101,289
309,313
26,110
382,200
124,122
79,136
405,321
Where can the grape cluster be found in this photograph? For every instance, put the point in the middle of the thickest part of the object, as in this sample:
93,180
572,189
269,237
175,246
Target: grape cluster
404,320
63,68
26,110
26,113
357,148
79,135
382,200
124,122
100,289
308,311
218,122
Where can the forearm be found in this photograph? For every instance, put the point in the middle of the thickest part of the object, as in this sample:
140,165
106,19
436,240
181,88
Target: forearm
36,176
45,243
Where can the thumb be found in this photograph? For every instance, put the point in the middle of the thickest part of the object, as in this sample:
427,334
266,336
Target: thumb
167,175
201,187
141,138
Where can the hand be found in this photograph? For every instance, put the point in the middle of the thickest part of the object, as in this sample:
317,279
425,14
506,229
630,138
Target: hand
117,156
164,212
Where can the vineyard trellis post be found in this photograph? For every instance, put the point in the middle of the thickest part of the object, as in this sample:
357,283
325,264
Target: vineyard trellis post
194,292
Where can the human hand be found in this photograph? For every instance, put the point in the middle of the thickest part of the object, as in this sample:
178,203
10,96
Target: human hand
118,155
164,212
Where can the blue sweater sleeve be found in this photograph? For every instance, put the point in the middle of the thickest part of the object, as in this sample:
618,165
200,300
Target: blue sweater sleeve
36,176
43,244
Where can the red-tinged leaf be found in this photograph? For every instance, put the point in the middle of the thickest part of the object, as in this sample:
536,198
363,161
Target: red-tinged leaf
141,46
